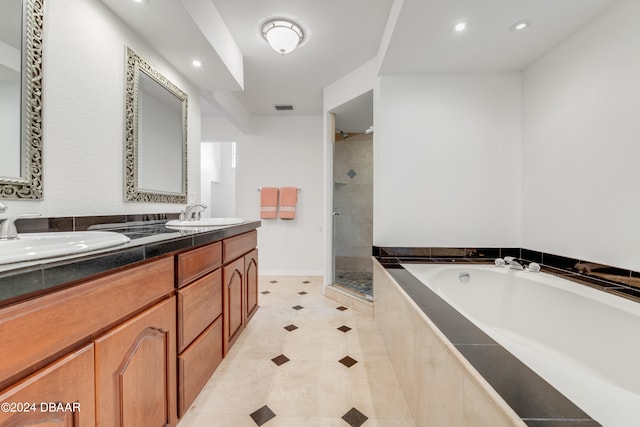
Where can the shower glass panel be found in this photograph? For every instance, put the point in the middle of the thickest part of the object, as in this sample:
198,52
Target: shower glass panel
353,213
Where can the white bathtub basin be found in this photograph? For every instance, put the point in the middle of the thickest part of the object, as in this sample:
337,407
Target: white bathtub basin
581,340
205,222
35,246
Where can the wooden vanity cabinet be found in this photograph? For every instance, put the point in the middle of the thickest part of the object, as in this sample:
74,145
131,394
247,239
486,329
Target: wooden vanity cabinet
199,314
251,283
135,370
69,381
109,341
233,291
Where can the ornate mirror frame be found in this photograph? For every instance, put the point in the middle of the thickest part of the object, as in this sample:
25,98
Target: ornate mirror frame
134,66
29,185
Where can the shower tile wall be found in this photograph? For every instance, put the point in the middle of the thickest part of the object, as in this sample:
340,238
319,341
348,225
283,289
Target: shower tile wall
353,197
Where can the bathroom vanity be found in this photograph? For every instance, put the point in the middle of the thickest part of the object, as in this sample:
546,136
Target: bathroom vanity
134,333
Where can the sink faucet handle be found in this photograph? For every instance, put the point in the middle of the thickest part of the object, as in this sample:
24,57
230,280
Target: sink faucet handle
8,229
193,209
509,259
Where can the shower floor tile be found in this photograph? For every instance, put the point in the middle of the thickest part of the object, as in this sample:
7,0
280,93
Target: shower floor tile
358,281
313,387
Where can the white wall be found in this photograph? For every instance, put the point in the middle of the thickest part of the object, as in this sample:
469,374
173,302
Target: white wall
283,151
447,160
83,113
580,145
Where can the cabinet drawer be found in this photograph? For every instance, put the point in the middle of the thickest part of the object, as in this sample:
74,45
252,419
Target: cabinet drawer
68,381
237,246
35,332
197,262
199,304
197,364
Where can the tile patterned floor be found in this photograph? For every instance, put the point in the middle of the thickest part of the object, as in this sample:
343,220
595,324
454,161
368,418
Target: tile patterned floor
320,365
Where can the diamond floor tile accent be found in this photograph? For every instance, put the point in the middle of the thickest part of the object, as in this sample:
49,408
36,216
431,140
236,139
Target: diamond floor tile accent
342,308
280,360
351,173
344,328
348,361
302,293
291,327
297,307
265,292
354,418
262,415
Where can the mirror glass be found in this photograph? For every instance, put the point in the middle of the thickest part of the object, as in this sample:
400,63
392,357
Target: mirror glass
155,137
21,99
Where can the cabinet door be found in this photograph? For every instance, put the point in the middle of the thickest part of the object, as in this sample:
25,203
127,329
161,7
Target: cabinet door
59,395
136,370
251,282
233,309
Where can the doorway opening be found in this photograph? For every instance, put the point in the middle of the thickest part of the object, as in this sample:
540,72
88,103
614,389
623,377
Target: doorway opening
218,178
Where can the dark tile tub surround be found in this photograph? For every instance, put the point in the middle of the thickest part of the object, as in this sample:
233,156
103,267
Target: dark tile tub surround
625,283
149,238
534,400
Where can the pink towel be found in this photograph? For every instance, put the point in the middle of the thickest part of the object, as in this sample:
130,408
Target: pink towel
268,202
288,200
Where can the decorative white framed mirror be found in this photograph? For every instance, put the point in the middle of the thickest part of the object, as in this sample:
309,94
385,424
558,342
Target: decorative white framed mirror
155,140
21,24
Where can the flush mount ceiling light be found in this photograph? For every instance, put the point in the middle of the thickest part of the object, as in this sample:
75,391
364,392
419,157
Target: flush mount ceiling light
196,63
520,25
283,36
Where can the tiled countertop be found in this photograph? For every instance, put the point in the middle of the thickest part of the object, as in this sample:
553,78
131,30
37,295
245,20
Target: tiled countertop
152,239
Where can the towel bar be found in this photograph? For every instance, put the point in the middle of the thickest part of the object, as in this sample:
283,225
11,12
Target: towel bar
260,188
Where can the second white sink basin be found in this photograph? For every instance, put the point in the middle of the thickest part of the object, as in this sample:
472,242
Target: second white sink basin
205,222
34,246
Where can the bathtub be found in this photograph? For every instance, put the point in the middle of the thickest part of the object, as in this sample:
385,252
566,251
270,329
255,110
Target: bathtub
583,341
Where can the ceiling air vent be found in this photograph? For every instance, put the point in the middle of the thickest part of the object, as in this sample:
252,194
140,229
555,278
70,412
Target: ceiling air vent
284,107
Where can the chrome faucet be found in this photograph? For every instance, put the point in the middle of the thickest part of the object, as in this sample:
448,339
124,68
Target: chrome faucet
191,211
512,264
3,208
8,229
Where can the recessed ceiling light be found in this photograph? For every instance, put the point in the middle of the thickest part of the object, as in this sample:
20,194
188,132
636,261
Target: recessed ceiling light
521,25
196,63
459,27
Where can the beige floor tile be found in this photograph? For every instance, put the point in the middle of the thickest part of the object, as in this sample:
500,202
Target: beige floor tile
312,389
306,422
305,343
210,419
241,389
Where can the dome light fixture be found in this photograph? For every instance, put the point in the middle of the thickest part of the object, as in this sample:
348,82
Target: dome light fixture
283,36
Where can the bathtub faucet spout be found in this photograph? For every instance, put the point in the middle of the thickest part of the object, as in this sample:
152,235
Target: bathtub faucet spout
512,264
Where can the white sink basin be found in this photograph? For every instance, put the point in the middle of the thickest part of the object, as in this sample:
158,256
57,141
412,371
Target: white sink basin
205,222
33,246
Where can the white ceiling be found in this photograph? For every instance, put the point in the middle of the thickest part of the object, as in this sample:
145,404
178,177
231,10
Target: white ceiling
344,34
423,42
